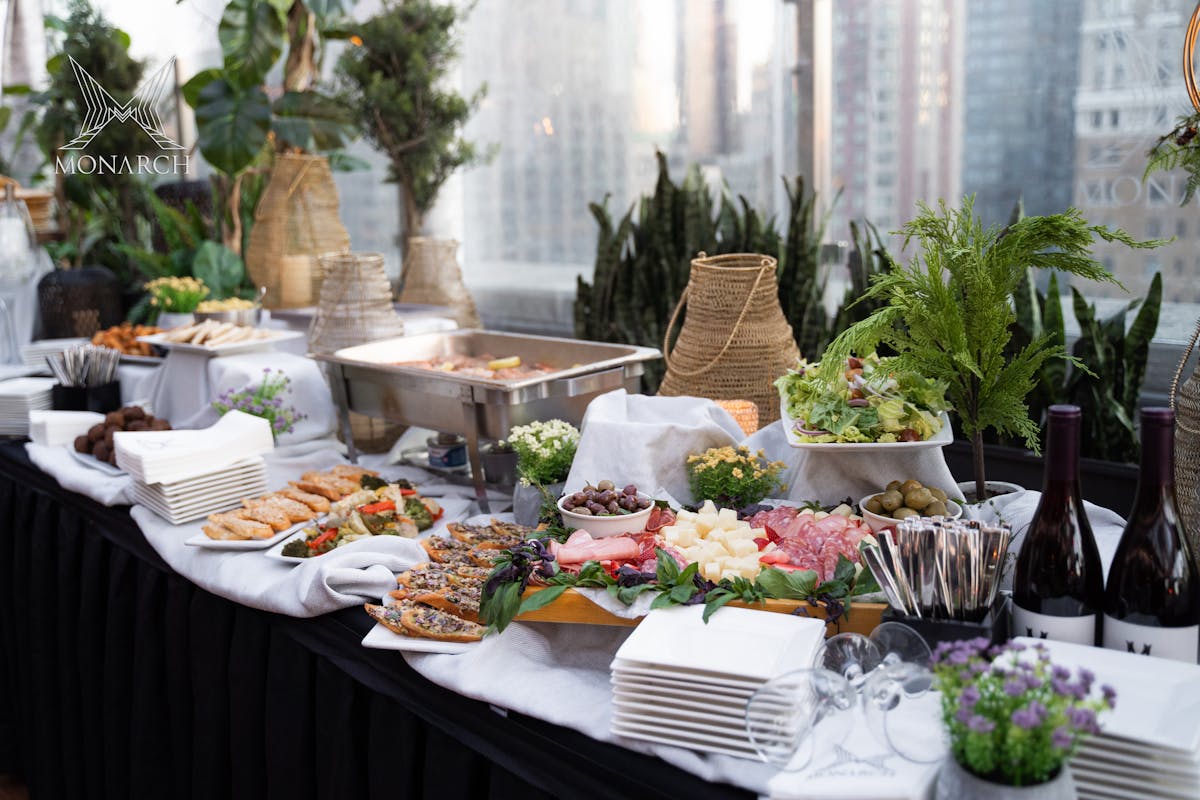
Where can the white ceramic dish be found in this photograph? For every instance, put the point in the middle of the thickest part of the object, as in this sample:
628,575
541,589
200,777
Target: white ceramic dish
677,696
94,463
245,346
615,525
726,745
380,638
623,667
940,439
645,682
200,540
877,522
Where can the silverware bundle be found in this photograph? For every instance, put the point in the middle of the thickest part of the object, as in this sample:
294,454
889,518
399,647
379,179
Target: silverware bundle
934,568
85,365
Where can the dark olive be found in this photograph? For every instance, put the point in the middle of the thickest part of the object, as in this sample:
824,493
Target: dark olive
606,486
583,511
643,503
595,508
630,490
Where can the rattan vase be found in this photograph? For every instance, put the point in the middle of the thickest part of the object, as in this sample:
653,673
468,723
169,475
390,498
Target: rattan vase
356,307
735,340
1185,399
432,276
296,220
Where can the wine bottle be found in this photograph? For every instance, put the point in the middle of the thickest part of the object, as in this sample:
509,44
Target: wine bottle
1058,584
1152,601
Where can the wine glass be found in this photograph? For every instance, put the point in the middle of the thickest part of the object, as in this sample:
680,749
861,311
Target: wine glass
785,714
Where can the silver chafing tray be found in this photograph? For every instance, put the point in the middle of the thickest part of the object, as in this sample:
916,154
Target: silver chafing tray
366,379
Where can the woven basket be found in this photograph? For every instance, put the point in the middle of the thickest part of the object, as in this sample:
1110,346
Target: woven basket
1185,400
296,219
735,340
431,276
355,308
744,413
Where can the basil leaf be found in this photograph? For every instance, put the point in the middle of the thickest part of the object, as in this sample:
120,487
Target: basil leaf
627,594
682,593
688,573
832,589
803,582
844,571
662,601
716,599
499,608
668,569
541,598
774,583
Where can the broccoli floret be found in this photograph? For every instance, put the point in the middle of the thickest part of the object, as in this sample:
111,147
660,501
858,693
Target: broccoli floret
371,482
297,548
415,510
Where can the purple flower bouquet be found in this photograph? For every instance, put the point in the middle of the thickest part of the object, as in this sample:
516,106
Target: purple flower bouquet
264,399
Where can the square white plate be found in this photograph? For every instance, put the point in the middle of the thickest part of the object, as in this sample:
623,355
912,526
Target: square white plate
380,638
940,439
674,696
746,645
251,487
646,683
94,463
247,346
201,540
624,667
1158,701
652,733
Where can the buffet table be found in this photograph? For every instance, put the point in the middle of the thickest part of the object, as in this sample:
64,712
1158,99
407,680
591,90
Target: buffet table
123,679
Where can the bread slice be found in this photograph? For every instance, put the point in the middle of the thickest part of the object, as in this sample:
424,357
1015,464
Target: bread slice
353,472
432,623
484,556
481,534
221,533
462,603
295,511
315,502
243,527
388,617
313,487
447,550
266,514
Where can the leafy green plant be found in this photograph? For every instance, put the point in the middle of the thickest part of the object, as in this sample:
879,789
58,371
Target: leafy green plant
643,261
238,125
545,450
949,314
395,80
732,477
1179,149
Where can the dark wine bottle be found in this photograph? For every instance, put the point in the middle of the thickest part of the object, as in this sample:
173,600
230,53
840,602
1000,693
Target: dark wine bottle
1058,584
1152,601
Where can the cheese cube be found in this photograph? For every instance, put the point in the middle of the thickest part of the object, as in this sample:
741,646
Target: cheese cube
711,571
730,573
708,507
685,536
843,510
727,515
705,522
759,533
744,547
821,514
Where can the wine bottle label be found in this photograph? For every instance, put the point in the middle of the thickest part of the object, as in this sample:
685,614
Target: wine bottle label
1080,630
1177,644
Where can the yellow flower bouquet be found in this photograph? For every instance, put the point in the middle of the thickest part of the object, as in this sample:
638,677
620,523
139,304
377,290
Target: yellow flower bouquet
732,477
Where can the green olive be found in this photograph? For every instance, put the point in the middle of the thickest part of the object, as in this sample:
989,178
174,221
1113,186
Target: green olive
874,505
938,494
909,485
606,486
894,486
917,499
903,511
936,509
891,500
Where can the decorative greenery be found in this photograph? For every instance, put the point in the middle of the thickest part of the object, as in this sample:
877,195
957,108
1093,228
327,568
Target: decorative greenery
264,399
1114,362
1179,149
671,585
176,295
949,314
238,125
545,450
1013,719
732,477
644,258
394,78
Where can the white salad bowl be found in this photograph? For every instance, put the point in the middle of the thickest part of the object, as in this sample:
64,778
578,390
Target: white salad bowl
608,525
877,522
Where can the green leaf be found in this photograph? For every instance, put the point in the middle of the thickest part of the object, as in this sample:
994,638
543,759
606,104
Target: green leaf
592,574
191,90
668,568
251,34
845,569
17,89
663,600
627,594
341,161
498,609
5,117
541,599
682,593
311,121
715,600
787,585
232,125
220,268
833,589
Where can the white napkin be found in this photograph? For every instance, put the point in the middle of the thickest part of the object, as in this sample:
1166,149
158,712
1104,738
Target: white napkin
646,440
107,490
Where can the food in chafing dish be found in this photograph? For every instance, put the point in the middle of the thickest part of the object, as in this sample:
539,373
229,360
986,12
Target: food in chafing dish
123,337
377,508
440,599
263,517
211,333
509,368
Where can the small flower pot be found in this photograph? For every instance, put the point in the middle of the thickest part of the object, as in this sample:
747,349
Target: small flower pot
956,783
174,319
527,502
499,466
994,489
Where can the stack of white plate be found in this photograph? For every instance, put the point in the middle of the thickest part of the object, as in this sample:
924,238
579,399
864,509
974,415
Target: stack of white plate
18,397
1149,745
679,681
173,456
195,498
34,354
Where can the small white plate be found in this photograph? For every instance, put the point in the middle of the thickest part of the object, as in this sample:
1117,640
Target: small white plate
96,464
201,540
652,733
380,638
672,695
246,346
627,667
177,507
696,726
646,683
940,439
686,717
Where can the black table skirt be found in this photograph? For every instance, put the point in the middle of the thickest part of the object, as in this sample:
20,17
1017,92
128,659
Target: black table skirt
120,679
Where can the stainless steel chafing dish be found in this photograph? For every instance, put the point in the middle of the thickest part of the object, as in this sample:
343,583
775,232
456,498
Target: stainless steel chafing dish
367,380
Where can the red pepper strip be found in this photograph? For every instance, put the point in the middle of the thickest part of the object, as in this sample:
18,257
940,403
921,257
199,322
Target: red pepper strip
328,535
441,512
407,492
375,508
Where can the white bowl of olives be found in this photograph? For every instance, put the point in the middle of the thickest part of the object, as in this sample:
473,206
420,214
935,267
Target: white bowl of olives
906,499
606,509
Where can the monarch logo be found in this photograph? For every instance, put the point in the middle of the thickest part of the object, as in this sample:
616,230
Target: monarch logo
141,109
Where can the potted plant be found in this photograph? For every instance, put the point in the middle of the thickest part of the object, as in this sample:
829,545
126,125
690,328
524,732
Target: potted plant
545,451
1014,720
948,313
732,477
394,78
264,399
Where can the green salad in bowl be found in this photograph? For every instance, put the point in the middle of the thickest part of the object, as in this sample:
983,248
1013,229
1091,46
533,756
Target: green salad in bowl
865,402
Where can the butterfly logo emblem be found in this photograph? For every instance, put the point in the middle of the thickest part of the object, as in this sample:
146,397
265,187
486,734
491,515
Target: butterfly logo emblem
142,108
